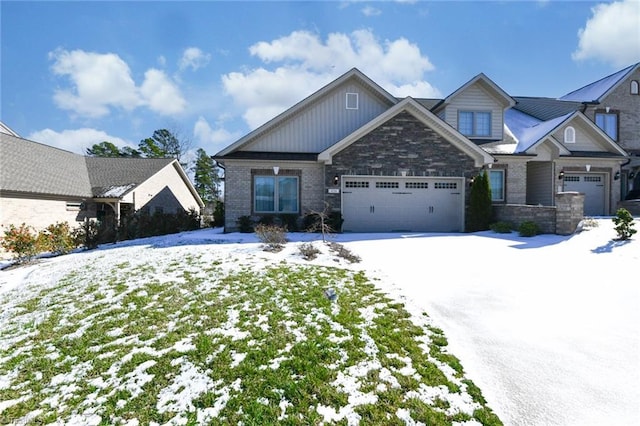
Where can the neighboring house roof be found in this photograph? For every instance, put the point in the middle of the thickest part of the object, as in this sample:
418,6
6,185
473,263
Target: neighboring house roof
119,175
545,108
598,90
6,129
35,168
416,109
31,167
354,73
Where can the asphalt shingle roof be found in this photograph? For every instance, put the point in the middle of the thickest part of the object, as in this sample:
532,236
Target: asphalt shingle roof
27,166
108,174
32,167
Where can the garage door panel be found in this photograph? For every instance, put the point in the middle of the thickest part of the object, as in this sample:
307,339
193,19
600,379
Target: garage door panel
593,188
385,204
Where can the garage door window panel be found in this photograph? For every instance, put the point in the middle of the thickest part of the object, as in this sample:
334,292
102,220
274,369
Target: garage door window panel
276,194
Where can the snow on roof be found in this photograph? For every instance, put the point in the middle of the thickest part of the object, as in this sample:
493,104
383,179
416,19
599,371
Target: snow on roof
595,91
114,191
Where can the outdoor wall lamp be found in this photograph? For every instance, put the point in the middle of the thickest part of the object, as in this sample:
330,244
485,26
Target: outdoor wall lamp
561,175
617,175
336,180
588,167
632,175
276,169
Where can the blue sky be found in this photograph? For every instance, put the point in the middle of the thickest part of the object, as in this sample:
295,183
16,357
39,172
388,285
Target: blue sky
78,73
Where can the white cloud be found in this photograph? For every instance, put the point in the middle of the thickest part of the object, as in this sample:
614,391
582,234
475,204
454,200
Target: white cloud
102,81
212,140
612,34
371,11
193,58
99,80
77,140
308,63
161,94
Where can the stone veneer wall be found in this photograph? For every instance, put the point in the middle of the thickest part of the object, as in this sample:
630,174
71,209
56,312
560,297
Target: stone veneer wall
561,219
401,144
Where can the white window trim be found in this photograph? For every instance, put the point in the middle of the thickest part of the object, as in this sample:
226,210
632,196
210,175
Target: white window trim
474,133
350,99
635,89
569,135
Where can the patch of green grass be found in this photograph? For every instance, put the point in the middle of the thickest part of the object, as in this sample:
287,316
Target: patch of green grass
258,342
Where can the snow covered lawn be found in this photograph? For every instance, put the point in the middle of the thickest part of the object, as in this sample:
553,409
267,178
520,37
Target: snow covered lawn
202,327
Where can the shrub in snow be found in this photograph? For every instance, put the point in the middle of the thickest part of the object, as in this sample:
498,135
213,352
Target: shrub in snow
528,229
624,224
309,251
502,227
273,236
57,238
22,242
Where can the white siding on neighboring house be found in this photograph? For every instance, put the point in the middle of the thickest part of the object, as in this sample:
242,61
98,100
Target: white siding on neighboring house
165,189
475,98
323,123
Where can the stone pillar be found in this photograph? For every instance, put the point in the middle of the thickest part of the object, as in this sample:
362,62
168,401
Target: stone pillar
569,212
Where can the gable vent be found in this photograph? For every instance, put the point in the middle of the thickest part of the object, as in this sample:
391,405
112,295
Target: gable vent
352,101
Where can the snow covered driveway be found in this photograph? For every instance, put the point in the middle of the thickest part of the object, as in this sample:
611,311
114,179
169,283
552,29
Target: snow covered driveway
547,327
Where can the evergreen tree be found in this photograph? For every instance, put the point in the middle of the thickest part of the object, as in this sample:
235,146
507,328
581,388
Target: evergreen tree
103,149
107,149
480,211
163,144
206,178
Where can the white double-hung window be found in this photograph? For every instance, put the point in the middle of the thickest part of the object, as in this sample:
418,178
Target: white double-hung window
275,194
474,123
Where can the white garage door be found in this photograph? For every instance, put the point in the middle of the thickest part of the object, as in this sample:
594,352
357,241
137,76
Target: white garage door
394,204
592,186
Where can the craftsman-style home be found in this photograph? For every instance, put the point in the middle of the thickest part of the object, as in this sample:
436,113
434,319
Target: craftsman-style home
389,164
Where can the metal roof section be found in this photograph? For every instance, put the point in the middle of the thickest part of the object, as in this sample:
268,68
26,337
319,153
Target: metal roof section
354,73
545,108
32,167
416,109
488,85
529,137
597,90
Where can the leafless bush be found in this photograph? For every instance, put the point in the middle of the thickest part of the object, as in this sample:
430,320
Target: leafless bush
273,236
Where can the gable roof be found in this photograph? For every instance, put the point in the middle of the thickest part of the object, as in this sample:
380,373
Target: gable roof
31,167
416,109
114,177
354,73
597,90
486,83
35,168
530,132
